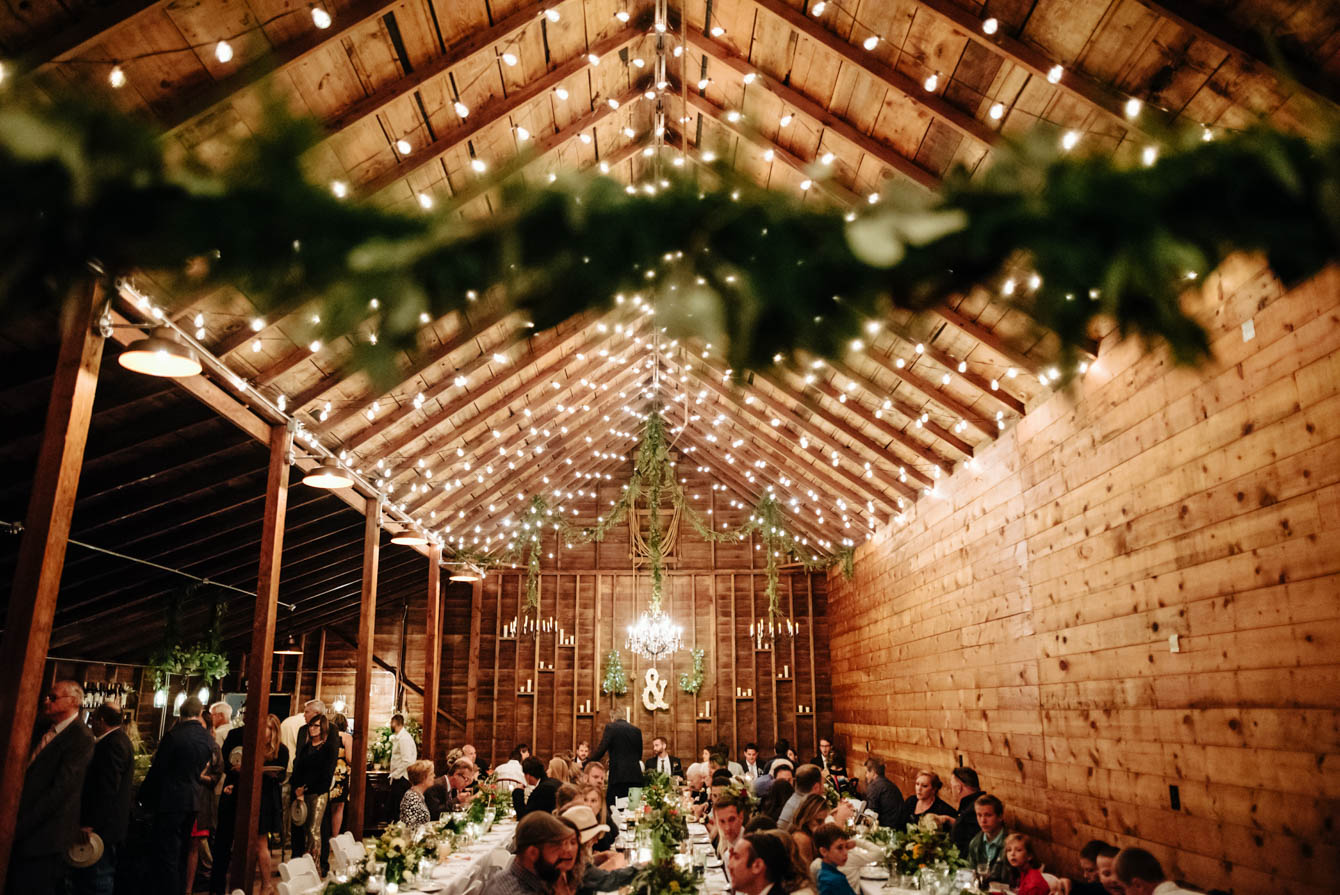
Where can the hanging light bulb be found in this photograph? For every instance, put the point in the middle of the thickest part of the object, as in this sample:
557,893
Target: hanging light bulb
223,51
402,146
1133,107
1069,140
818,9
931,82
1054,75
478,165
997,111
509,58
425,201
116,77
990,26
870,42
339,188
320,18
461,109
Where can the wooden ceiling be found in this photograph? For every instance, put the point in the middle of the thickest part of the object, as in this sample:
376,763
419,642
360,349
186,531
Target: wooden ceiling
416,96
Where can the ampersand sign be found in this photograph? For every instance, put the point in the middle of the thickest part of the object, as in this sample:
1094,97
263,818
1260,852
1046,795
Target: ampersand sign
653,694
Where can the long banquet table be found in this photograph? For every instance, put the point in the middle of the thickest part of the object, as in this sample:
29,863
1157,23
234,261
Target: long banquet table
454,875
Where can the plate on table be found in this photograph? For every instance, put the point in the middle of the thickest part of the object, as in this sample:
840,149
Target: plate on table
873,872
429,886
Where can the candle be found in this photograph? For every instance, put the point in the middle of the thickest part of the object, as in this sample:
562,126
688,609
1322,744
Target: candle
707,712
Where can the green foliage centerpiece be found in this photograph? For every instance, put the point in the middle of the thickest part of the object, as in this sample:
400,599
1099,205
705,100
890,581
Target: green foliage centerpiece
920,845
665,827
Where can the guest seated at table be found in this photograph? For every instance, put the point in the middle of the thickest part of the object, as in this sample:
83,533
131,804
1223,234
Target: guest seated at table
702,765
925,800
881,796
758,864
559,769
582,754
827,755
565,796
760,823
609,874
809,781
413,809
661,761
776,797
798,881
782,751
723,751
546,849
753,768
1021,871
1106,862
452,791
594,772
593,797
832,842
962,824
987,848
729,815
544,795
779,769
1088,882
812,814
1140,873
696,781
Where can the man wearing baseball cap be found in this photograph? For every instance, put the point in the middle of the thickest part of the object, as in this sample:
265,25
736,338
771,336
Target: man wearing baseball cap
546,848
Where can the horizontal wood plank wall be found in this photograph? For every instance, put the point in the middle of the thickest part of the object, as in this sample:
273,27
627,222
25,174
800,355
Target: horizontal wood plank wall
1021,623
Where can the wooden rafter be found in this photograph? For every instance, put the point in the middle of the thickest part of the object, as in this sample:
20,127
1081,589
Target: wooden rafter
936,394
500,109
913,414
821,116
987,338
881,71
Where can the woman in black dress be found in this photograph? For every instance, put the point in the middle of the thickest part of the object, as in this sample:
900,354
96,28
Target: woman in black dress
926,800
274,768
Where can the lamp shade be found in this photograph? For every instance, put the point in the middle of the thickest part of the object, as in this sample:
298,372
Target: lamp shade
466,574
289,649
160,354
409,538
328,476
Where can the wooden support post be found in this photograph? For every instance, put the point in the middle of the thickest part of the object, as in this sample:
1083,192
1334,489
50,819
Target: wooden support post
432,659
367,625
297,674
243,871
320,664
46,530
476,634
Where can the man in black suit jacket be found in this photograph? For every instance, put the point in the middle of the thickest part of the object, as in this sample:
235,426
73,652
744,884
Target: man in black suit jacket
544,794
661,760
172,791
105,808
48,819
623,742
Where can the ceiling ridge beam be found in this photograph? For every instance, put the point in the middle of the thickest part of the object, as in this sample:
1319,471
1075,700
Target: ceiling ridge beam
500,109
816,112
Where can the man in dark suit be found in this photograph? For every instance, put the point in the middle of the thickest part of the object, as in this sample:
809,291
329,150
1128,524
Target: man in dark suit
623,741
172,791
661,760
544,793
105,808
48,819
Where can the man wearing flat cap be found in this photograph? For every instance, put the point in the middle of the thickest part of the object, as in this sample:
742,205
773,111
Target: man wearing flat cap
546,848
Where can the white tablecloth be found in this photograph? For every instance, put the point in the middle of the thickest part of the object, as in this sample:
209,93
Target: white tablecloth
457,871
881,887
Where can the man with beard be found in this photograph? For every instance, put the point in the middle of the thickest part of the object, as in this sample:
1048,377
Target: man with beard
546,848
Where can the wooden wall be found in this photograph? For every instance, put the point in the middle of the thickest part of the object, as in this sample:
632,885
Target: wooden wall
1021,624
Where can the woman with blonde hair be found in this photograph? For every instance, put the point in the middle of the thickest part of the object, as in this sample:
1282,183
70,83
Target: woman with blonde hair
559,769
593,796
925,800
811,815
413,809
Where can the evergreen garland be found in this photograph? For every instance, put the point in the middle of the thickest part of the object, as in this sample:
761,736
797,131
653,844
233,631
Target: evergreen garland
616,680
692,681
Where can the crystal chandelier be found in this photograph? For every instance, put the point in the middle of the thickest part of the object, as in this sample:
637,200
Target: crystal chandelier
654,635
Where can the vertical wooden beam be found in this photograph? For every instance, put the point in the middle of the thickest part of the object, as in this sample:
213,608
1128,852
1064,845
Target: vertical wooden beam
261,658
320,664
297,673
367,624
475,634
46,531
432,659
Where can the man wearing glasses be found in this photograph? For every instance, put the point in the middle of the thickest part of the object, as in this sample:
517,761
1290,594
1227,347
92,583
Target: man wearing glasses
48,821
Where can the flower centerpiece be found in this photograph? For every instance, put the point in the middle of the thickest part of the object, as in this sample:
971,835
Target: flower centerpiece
395,849
920,846
663,878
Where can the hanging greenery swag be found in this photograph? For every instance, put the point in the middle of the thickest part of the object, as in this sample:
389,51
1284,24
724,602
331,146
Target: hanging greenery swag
203,658
692,681
653,479
759,272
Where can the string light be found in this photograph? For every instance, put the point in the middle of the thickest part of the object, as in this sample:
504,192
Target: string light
320,18
461,109
990,26
509,58
223,51
931,82
818,8
561,92
1069,140
552,15
402,146
116,77
1133,107
870,42
339,188
997,111
1054,74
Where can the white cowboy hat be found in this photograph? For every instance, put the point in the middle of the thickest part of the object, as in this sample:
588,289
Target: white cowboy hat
588,828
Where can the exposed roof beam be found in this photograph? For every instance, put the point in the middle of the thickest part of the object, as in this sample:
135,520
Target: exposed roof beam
897,404
1247,45
973,378
790,159
937,395
880,70
831,474
500,109
986,337
817,113
90,26
1100,96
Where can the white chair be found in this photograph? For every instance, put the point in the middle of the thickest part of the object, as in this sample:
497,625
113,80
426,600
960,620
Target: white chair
298,867
300,884
345,851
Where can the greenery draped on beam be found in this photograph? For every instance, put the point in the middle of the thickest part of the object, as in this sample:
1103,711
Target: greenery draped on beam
760,273
654,476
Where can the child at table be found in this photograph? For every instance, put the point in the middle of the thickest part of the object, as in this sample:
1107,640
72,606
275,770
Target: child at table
1024,866
832,842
